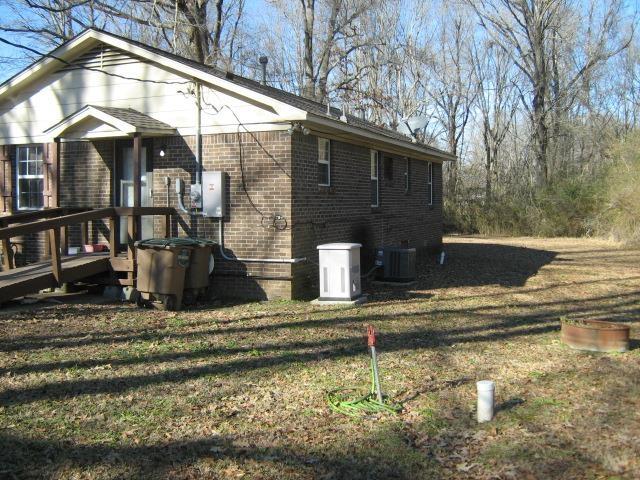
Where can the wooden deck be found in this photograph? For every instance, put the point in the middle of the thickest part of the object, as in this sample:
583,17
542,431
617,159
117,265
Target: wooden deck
32,278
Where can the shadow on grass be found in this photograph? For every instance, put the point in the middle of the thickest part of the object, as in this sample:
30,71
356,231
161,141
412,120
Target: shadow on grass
625,308
282,354
29,458
481,264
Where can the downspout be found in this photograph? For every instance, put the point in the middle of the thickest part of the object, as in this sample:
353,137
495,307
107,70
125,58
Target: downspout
251,260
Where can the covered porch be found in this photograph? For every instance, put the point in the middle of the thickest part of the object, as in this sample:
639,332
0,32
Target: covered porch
109,207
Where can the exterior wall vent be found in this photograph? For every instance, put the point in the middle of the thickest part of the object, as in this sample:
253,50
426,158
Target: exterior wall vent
100,57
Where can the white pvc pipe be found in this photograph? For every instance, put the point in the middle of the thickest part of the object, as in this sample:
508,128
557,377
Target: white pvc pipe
486,390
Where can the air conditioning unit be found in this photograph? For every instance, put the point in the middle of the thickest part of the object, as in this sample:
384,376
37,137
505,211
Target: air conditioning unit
396,264
339,271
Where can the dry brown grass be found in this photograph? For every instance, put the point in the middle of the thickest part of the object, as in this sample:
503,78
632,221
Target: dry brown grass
109,391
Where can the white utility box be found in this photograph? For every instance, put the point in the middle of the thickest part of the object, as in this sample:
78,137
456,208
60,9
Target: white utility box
214,201
339,271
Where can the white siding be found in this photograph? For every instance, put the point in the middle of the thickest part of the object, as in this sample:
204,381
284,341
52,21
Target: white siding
25,116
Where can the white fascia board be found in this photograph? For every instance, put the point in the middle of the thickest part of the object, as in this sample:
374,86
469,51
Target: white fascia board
59,128
374,140
182,69
90,38
48,64
233,128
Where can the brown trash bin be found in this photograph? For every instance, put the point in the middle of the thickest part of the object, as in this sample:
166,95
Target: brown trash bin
162,265
196,283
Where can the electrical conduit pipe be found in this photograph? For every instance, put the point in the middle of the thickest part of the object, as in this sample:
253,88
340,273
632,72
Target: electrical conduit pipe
251,260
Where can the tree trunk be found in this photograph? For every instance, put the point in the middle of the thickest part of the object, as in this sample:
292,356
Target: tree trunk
323,78
540,136
453,149
309,84
217,33
487,163
195,12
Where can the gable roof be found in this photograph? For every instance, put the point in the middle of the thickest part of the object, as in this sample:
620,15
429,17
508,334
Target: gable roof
125,120
292,107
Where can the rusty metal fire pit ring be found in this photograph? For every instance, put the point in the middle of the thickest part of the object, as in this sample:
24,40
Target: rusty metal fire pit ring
595,335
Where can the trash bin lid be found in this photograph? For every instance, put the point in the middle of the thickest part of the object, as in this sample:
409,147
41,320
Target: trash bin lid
174,242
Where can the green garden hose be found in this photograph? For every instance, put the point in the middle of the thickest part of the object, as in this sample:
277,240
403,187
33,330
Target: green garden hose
367,405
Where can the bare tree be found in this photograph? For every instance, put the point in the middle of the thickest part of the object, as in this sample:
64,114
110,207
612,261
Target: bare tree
525,29
452,87
497,103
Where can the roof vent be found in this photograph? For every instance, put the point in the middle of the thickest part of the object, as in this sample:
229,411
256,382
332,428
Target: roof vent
343,117
263,61
229,75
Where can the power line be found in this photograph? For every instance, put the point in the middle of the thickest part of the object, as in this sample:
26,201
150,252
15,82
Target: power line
83,67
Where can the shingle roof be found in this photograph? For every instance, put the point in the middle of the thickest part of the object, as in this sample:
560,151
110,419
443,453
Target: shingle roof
135,118
291,99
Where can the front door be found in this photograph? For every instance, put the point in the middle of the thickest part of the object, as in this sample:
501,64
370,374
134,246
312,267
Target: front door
124,189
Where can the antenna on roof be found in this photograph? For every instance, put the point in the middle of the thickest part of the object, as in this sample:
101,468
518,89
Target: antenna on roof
412,125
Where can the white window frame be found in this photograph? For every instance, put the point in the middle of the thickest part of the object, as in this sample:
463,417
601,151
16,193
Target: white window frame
20,176
324,144
375,175
407,175
430,183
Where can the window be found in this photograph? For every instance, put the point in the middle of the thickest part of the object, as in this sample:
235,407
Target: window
430,183
324,162
375,190
388,168
407,173
30,177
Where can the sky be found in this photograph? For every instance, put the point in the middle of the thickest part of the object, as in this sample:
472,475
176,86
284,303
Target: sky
20,57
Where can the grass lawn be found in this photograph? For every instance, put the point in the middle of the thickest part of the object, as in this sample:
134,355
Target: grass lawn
104,390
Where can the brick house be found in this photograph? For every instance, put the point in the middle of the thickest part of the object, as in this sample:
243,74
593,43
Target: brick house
106,121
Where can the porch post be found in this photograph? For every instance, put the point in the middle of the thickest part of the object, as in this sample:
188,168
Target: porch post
6,182
53,173
6,179
137,184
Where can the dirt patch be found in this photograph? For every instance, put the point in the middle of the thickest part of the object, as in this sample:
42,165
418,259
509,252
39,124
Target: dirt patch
237,391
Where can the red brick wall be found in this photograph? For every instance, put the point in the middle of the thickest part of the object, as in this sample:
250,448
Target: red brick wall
343,212
266,157
26,248
86,180
281,178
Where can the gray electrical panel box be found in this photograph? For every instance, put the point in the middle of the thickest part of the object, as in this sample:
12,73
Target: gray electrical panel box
214,198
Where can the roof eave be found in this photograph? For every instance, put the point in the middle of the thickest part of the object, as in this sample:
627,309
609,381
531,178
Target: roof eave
408,148
125,128
194,73
90,37
49,62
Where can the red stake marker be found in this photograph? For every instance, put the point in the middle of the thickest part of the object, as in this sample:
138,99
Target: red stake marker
371,342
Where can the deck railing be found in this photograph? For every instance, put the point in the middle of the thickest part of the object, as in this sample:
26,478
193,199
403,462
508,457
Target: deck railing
58,233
